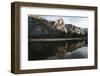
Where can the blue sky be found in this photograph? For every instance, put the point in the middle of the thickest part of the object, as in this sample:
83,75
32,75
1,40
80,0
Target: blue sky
75,20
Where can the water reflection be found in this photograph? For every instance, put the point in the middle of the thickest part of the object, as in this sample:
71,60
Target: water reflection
39,50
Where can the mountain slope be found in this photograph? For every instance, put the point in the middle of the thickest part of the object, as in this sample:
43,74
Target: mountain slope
41,28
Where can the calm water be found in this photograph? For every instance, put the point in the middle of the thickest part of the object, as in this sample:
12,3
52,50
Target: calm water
48,50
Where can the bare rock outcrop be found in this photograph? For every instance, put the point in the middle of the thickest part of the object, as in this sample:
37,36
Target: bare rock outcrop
60,25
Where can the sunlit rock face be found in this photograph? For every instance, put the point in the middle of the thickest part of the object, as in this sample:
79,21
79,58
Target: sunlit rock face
60,25
77,30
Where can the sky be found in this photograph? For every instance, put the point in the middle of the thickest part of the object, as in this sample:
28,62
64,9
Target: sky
75,20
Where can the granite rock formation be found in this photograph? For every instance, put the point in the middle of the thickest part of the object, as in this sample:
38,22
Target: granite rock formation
60,25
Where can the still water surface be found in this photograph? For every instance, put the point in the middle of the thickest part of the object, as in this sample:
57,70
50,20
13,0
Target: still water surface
49,50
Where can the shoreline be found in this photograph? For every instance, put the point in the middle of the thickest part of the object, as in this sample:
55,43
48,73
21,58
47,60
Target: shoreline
57,39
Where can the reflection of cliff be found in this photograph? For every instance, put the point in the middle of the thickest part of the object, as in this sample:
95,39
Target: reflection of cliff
68,47
42,28
43,50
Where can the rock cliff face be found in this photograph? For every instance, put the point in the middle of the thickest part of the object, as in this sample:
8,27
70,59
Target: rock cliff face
42,28
74,31
60,25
